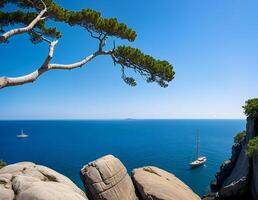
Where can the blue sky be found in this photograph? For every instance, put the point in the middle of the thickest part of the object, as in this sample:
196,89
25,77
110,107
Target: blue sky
213,45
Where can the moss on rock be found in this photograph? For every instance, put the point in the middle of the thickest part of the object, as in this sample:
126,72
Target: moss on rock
2,164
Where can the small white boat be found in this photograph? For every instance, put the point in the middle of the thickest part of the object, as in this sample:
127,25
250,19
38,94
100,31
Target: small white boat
200,159
22,135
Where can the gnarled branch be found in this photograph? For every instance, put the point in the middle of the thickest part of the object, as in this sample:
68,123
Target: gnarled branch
28,28
46,66
14,81
80,63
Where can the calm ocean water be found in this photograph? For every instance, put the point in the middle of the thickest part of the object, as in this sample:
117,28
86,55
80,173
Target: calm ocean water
169,144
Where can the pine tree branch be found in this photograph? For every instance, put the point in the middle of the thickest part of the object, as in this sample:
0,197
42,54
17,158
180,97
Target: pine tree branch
14,81
80,63
28,28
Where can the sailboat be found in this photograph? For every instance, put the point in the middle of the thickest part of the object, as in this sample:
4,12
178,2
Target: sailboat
200,160
22,135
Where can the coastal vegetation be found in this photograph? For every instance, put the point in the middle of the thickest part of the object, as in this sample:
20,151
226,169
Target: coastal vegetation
36,17
150,170
239,137
2,164
252,147
251,107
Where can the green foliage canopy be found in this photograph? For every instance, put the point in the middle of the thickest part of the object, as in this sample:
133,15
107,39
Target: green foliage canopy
86,18
100,28
252,147
239,137
251,107
160,71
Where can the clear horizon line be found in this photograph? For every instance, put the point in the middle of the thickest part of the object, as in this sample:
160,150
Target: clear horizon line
66,119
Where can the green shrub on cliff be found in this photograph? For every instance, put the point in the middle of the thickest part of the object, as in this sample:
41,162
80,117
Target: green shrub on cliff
2,164
251,107
252,147
239,137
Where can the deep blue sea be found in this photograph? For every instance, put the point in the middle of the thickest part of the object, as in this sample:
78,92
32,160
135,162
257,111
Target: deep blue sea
66,145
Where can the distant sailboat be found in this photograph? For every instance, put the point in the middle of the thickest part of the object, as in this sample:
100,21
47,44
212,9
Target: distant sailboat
200,159
22,135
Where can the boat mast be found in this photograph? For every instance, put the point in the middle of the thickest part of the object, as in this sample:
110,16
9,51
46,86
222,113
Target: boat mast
197,145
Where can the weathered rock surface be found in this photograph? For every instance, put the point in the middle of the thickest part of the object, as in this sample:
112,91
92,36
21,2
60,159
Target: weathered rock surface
156,184
255,178
238,177
28,181
236,184
107,179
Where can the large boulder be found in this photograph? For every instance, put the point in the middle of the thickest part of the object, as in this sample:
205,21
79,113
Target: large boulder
107,179
28,181
153,183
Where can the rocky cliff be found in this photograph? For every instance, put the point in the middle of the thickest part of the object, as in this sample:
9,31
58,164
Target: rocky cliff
238,176
104,179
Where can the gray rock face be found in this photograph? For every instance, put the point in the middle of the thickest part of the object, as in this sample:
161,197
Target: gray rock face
106,179
226,168
237,182
255,178
28,181
254,184
238,179
241,178
156,184
251,128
